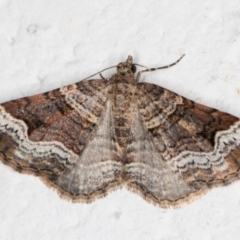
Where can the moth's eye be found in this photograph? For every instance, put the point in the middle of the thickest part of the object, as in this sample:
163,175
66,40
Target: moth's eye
118,67
133,68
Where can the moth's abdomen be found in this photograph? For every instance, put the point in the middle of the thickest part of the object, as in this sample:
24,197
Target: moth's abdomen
123,106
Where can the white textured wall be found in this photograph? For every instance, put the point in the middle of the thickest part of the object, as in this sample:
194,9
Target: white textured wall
45,44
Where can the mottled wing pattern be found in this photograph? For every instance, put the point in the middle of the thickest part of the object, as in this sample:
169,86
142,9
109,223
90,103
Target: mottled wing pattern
46,134
98,168
88,138
181,147
147,172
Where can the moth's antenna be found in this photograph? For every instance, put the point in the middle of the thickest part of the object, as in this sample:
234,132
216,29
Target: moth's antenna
154,69
99,72
136,64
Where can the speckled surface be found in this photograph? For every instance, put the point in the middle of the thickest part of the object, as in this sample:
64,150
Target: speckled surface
47,44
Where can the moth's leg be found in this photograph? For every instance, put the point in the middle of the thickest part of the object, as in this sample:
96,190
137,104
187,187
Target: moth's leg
102,77
154,69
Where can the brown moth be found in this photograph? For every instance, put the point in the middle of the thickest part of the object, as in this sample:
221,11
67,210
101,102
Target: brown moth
94,136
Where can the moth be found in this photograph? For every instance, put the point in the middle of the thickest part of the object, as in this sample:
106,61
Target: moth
94,136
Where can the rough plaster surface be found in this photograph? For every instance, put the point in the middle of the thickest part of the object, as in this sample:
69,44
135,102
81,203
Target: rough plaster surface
46,44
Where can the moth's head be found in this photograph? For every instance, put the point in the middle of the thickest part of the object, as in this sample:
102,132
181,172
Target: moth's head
126,68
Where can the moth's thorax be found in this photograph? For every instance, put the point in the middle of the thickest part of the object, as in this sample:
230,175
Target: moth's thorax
123,91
